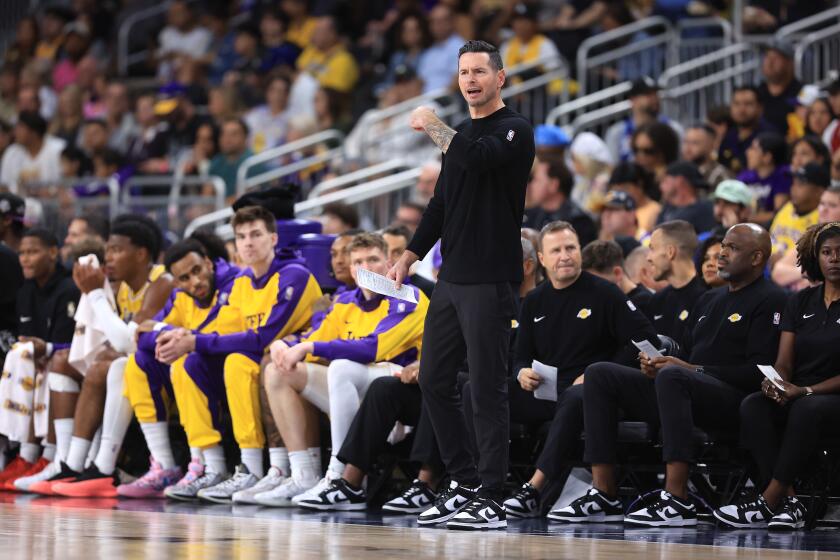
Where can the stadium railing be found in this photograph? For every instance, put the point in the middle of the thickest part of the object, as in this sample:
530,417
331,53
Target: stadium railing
566,113
798,30
57,205
818,54
166,200
355,177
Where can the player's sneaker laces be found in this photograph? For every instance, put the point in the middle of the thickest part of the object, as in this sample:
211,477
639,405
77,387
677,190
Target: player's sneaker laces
416,499
448,504
270,481
791,517
338,496
152,484
592,507
525,503
223,492
667,511
282,495
481,513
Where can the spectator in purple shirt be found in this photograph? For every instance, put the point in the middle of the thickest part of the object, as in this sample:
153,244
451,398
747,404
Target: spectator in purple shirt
747,113
767,174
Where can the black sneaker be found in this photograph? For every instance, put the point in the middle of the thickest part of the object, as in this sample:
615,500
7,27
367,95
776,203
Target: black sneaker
592,507
447,504
791,517
416,499
667,511
525,503
481,513
749,514
338,496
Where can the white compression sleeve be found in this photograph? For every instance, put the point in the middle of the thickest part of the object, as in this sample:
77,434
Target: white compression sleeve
120,335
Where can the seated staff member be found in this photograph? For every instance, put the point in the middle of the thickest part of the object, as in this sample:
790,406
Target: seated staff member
782,428
735,329
201,286
672,248
606,260
270,299
573,320
364,336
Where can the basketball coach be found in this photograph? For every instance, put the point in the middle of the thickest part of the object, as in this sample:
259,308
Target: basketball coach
476,211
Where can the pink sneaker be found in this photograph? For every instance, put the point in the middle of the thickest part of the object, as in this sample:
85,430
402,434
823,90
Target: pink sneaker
186,488
151,484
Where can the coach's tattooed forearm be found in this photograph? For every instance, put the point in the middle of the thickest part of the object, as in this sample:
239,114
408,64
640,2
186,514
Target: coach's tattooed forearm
439,133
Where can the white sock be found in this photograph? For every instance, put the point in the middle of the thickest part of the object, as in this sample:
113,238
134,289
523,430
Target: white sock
214,459
77,453
253,459
157,438
115,419
336,467
63,435
278,457
314,454
196,454
94,448
30,452
49,452
302,467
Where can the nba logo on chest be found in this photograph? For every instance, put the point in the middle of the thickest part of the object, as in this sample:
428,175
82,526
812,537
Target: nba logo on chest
510,135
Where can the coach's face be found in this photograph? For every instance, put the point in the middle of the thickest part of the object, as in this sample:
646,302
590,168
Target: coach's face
480,83
560,255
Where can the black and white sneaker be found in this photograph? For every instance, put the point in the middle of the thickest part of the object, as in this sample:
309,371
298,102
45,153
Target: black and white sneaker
338,496
749,514
447,504
667,511
791,517
481,513
416,499
525,503
592,507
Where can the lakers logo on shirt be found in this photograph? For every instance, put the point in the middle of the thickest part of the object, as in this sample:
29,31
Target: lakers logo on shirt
734,318
71,309
254,321
584,313
683,315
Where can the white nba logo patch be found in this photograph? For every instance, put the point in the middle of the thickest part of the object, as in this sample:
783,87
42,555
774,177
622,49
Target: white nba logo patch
510,135
777,318
630,305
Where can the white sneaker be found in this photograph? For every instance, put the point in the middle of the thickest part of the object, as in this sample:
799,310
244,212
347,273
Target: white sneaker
282,495
223,492
316,490
46,473
270,481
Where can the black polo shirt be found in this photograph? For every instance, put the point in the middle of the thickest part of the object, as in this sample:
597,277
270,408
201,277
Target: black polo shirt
671,308
816,347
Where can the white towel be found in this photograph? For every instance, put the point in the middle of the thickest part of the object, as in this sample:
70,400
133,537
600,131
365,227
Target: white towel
17,391
88,340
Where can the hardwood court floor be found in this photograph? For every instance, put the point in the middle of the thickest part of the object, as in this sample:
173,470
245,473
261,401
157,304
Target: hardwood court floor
92,529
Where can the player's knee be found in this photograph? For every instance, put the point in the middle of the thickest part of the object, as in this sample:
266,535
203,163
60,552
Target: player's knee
97,374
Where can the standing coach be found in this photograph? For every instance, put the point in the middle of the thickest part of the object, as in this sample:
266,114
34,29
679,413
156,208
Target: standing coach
476,211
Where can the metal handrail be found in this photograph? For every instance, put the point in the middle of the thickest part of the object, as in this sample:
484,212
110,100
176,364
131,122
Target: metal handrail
243,182
124,59
111,183
809,41
711,21
801,27
732,50
177,187
604,114
358,175
625,31
582,103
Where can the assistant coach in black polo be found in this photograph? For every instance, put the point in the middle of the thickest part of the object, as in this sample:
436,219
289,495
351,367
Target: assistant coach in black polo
476,211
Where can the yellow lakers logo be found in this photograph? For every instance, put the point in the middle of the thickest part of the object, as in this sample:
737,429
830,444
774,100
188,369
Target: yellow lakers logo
683,315
584,313
734,318
28,384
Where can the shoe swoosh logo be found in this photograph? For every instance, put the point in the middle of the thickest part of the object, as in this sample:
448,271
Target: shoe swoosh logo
418,500
25,319
488,514
337,497
455,502
538,319
808,316
753,516
657,317
591,509
670,513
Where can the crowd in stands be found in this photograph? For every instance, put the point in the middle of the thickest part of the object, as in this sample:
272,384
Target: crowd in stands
716,241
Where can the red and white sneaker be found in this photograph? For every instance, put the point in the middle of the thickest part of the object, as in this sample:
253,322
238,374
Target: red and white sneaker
34,469
89,484
151,484
14,470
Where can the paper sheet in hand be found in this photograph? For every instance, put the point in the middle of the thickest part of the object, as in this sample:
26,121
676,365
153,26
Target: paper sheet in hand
773,375
648,349
547,390
381,285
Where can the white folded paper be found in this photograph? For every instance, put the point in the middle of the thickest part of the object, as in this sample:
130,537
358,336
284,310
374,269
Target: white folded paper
773,375
648,349
382,285
547,389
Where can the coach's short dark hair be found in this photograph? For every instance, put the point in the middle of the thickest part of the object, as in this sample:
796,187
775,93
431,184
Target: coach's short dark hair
602,256
180,250
554,227
483,47
398,230
682,234
344,212
47,238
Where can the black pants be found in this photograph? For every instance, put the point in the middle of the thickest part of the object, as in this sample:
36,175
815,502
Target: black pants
523,409
469,321
564,434
678,399
782,439
389,400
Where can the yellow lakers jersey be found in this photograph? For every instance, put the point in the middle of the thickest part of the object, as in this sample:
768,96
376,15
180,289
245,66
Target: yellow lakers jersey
129,302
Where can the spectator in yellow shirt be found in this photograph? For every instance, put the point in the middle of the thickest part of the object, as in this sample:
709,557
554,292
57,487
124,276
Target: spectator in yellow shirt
809,183
327,60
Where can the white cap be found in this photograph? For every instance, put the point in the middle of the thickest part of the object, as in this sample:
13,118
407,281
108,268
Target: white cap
590,145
